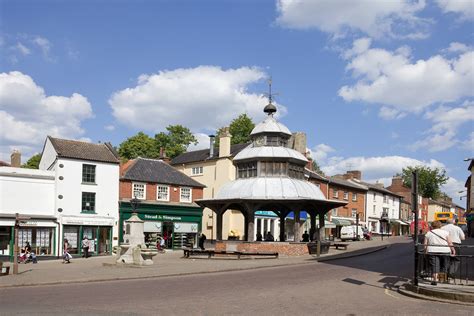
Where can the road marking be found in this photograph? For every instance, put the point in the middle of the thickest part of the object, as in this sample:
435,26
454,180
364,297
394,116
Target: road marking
389,294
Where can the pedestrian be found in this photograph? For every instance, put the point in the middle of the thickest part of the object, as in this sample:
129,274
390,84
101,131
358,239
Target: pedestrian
457,235
259,236
439,247
85,247
305,236
202,239
66,256
269,237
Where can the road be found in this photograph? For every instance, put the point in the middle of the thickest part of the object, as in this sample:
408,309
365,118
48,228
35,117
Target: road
362,285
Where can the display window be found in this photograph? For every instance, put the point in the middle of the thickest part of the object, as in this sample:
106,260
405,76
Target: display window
40,239
5,240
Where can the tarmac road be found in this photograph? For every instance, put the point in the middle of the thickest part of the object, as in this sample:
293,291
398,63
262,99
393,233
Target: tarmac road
353,286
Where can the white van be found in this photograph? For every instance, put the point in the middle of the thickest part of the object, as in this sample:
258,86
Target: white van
350,232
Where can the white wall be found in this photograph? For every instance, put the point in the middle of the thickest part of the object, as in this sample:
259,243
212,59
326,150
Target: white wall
26,191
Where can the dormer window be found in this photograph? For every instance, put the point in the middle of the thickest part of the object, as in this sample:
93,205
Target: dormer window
270,140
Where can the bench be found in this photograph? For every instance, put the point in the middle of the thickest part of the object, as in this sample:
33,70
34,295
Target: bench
340,245
188,252
6,268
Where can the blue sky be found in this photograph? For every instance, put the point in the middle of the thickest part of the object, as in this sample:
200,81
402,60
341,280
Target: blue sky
376,85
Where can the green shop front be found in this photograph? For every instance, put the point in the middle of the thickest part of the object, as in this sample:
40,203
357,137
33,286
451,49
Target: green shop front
179,225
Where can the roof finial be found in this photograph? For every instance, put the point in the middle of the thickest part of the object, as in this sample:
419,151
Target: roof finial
270,108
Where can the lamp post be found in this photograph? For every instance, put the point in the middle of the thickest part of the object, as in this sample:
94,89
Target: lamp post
383,221
134,203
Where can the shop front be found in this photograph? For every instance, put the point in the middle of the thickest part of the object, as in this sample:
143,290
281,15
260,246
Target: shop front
39,233
178,225
97,231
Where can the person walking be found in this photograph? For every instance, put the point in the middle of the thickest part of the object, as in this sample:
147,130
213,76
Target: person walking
269,237
439,247
66,256
202,239
85,247
457,236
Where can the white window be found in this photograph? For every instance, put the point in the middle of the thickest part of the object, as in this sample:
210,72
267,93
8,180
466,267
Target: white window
139,191
346,195
354,197
162,193
197,171
385,198
373,211
185,195
354,212
375,195
334,193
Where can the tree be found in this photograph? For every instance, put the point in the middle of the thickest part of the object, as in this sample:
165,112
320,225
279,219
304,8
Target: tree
317,168
140,145
240,129
33,162
429,180
176,141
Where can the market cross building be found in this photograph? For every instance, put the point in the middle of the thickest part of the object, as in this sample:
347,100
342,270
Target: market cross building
270,177
166,202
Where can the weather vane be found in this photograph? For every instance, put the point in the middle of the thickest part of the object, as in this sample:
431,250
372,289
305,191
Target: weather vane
270,108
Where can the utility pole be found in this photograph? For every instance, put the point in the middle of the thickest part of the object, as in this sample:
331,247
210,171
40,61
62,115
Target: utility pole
414,202
18,220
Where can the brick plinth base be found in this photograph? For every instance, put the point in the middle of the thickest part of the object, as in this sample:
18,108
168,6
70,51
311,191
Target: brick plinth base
283,248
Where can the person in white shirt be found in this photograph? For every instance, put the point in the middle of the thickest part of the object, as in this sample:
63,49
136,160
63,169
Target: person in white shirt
439,247
455,233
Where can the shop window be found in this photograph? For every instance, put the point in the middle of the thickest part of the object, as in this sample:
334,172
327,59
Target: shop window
88,202
5,239
139,191
162,193
88,173
185,195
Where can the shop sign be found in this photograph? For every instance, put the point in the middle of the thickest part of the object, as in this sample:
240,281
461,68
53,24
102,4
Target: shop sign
152,227
89,222
159,217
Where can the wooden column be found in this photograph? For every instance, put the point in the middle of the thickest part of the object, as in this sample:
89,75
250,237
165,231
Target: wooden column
282,226
250,227
313,228
219,217
296,226
321,226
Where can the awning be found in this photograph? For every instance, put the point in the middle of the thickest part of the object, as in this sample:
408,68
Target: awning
397,221
341,222
327,224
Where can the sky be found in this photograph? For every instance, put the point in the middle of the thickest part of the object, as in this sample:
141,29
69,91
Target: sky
376,85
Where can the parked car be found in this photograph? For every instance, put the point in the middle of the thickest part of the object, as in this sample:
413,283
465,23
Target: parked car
352,233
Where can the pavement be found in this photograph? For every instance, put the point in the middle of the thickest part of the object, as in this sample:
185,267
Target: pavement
97,269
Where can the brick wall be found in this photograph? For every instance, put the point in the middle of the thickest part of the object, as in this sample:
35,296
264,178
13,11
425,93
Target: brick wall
125,191
283,248
346,211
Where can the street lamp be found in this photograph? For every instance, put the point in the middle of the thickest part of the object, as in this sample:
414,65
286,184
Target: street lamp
134,203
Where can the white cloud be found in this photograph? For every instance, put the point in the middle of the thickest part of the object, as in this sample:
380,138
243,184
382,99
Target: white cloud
388,113
109,128
375,168
446,122
22,49
320,153
203,142
465,8
468,144
27,115
201,98
338,17
452,188
456,47
44,44
391,79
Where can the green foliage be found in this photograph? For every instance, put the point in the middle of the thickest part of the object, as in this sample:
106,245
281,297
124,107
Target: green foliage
140,145
429,180
317,168
176,141
240,129
33,162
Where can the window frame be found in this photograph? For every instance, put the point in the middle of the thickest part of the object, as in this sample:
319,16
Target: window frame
190,195
88,174
158,186
197,171
133,190
335,193
354,212
83,202
346,196
354,197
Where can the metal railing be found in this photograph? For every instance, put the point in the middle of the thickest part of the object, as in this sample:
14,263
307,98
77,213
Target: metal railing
457,269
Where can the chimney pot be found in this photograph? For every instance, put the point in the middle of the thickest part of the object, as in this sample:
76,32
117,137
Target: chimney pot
15,159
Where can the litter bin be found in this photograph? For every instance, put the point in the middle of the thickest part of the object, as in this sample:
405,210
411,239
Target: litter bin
313,247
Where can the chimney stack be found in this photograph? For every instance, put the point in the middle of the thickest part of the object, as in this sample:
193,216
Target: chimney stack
15,159
212,139
224,142
163,155
355,174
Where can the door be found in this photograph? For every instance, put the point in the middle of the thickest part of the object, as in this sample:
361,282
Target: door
104,240
168,228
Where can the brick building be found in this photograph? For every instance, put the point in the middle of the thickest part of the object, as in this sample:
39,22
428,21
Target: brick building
166,201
